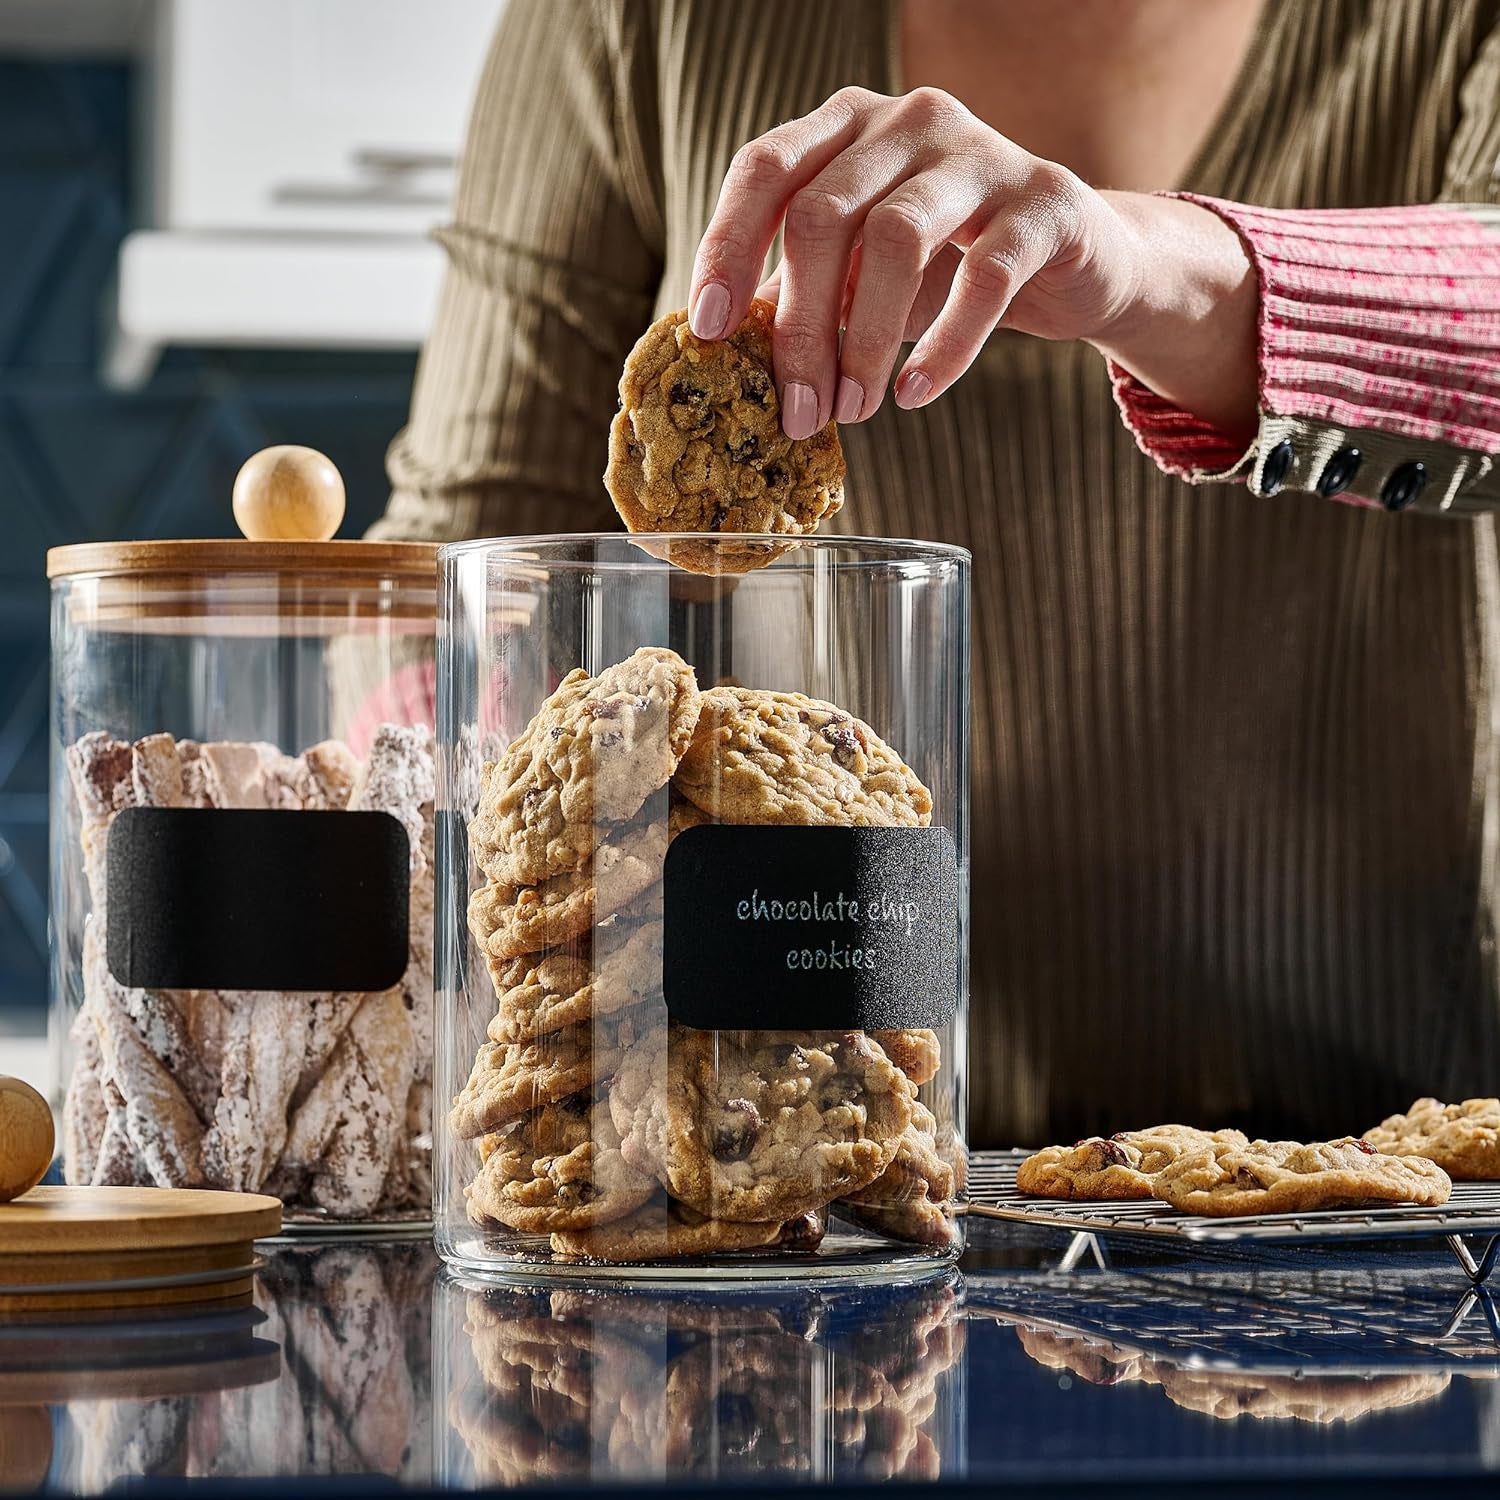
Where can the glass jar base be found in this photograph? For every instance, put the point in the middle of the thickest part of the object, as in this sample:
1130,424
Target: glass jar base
840,1258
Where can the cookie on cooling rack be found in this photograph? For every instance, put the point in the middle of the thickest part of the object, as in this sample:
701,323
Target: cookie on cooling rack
1271,1177
1100,1168
1463,1139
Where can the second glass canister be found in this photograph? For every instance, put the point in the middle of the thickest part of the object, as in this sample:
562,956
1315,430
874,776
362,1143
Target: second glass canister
702,922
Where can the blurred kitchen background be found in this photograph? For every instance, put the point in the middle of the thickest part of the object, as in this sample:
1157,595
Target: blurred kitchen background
213,236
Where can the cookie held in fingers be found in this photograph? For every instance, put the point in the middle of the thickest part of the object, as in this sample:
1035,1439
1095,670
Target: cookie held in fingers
697,444
1101,1168
667,1230
754,1127
763,757
596,750
1268,1177
558,1168
1463,1139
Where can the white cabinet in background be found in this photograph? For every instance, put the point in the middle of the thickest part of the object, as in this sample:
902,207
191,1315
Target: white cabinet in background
294,156
312,115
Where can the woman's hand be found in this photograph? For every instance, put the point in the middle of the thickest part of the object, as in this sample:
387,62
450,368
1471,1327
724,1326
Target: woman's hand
908,218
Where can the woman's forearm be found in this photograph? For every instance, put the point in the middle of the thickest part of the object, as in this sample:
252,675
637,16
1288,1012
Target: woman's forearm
1189,330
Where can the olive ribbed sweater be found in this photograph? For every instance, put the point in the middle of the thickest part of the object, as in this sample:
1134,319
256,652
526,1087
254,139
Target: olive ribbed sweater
1235,801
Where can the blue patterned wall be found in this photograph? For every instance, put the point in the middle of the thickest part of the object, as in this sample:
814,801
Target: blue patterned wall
80,463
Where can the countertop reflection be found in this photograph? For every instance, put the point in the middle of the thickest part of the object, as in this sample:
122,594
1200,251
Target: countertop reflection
365,1361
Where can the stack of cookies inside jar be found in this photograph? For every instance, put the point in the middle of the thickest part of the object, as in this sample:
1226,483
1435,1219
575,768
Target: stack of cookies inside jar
593,1117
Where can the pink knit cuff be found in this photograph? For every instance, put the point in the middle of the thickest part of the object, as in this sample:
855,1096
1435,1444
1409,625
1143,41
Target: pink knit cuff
1378,328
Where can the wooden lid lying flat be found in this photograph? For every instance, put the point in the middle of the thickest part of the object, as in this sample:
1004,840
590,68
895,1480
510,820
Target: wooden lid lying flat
64,1221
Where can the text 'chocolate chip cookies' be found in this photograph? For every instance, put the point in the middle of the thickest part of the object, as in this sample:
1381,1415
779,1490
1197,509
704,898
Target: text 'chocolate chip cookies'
697,446
589,1116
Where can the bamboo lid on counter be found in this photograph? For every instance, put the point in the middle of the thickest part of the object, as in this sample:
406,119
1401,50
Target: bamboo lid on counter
82,1247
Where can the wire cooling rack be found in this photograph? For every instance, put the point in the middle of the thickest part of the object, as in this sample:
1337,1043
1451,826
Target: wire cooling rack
1473,1210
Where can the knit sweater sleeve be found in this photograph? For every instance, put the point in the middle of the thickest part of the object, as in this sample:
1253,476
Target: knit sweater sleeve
554,260
1378,343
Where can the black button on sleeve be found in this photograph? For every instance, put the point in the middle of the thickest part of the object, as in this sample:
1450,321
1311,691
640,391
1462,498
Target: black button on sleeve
1339,472
1277,466
1404,485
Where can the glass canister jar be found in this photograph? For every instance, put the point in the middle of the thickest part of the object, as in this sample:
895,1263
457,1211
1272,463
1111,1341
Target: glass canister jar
702,924
241,868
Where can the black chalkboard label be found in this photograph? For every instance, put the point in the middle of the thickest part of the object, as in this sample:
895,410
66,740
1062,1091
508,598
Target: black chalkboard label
243,899
811,929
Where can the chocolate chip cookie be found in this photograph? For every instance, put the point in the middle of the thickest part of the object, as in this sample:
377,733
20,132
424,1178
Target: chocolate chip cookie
1099,1168
1463,1139
762,757
667,1230
912,1199
1268,1177
697,443
918,1054
569,986
509,1079
755,1127
509,920
596,750
558,1168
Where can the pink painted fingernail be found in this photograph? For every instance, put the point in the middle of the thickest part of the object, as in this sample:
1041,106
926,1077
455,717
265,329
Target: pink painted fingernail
849,401
711,311
799,410
913,389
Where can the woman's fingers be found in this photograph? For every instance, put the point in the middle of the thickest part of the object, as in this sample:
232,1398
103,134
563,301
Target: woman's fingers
761,179
1018,244
825,221
903,236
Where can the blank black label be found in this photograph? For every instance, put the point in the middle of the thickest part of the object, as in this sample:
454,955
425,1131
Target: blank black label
239,899
811,929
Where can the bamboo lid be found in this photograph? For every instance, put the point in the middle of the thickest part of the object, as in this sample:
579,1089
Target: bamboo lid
288,502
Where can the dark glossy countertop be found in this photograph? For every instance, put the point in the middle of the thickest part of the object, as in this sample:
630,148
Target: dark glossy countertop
362,1363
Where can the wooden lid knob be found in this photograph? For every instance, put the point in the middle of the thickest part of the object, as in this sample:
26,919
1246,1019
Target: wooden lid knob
26,1138
288,494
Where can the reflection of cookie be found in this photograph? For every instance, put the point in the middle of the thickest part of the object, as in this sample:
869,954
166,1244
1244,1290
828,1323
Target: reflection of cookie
509,1079
697,444
1301,1398
1095,1360
509,920
739,1407
761,757
596,750
1285,1177
1120,1166
1463,1139
559,1168
667,1230
543,993
760,1126
542,1385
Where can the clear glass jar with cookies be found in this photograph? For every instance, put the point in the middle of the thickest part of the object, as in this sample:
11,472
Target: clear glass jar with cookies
242,767
702,925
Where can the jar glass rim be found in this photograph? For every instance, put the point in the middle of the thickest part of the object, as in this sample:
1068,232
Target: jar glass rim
563,547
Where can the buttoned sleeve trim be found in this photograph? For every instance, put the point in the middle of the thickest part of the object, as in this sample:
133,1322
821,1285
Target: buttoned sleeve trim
1379,330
